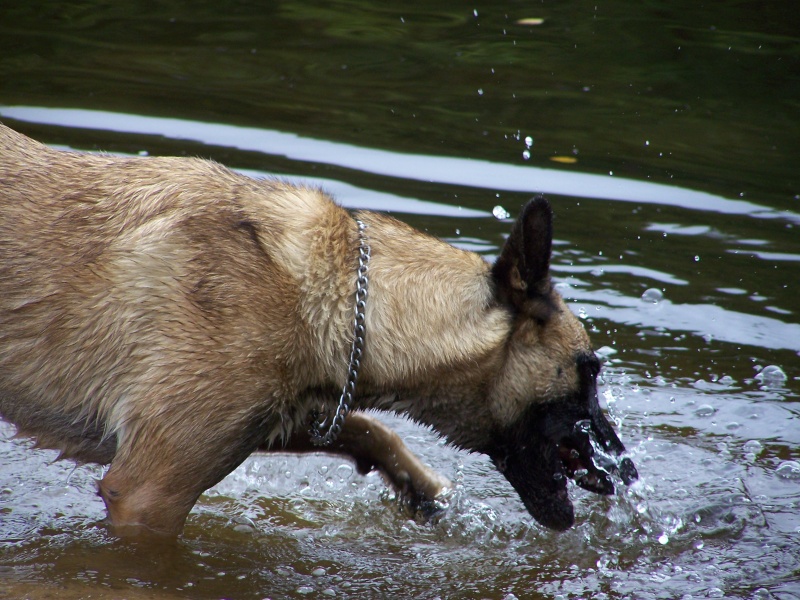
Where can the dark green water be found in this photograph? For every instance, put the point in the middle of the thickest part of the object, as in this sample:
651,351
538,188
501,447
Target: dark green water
682,124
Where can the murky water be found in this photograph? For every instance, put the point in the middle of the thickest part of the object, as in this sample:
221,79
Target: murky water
666,136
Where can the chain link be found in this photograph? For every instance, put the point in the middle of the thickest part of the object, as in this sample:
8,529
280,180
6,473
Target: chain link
319,422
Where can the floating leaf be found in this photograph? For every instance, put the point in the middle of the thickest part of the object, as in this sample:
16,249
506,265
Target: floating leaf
530,21
564,160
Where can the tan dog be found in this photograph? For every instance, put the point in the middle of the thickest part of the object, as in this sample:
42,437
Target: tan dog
169,317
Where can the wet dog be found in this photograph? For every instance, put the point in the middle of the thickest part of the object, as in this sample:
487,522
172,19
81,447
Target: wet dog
169,317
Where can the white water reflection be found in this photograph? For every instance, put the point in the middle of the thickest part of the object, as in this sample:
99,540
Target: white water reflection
351,196
709,320
434,169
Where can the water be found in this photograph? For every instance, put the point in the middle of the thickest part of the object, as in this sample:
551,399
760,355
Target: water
665,137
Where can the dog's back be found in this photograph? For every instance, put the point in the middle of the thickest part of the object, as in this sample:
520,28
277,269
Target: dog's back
122,278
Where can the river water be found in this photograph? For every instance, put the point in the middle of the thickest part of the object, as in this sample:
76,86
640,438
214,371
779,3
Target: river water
666,136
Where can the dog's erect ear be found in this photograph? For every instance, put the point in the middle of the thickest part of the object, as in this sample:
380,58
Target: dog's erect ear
522,271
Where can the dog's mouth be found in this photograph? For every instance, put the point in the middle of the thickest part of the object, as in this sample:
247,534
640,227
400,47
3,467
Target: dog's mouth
559,440
590,463
551,451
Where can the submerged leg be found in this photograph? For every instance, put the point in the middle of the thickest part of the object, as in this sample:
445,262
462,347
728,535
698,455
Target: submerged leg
373,445
153,484
144,508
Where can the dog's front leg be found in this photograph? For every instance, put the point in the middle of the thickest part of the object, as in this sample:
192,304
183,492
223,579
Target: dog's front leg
373,445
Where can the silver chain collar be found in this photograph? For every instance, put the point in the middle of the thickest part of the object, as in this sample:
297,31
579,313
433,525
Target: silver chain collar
318,421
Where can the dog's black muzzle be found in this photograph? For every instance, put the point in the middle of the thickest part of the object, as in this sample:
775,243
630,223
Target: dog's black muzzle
554,441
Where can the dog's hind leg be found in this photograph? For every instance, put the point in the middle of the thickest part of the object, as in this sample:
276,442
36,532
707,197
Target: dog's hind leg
373,445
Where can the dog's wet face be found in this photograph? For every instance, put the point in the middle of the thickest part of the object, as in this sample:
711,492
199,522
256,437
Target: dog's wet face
560,439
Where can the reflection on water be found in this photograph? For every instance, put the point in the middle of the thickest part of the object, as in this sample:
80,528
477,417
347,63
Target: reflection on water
683,265
433,169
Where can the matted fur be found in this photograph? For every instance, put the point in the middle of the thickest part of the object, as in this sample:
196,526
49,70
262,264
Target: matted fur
169,317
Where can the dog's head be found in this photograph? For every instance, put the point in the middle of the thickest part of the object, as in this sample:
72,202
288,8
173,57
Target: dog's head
548,425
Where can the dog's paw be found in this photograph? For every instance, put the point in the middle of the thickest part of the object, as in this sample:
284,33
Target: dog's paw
426,493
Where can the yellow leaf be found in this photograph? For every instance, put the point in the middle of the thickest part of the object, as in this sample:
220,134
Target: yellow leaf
530,21
564,160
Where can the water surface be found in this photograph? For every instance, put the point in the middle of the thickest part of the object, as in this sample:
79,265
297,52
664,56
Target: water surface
666,136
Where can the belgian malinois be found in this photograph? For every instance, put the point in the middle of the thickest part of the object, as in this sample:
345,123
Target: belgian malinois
169,317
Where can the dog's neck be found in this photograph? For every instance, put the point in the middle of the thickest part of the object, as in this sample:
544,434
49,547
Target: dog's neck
431,308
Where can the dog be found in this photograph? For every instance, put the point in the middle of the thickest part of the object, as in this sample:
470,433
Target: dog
168,317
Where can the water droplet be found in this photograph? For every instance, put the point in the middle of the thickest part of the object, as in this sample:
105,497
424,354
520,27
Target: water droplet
696,258
480,91
526,154
789,469
772,375
653,296
663,539
344,472
706,410
500,213
305,590
753,447
318,572
528,141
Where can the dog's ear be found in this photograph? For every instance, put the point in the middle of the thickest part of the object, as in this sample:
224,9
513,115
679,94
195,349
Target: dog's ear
522,271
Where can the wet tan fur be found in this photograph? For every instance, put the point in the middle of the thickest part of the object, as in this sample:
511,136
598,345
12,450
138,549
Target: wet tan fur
169,317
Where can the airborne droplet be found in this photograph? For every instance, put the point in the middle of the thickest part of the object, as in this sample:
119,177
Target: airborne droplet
500,213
